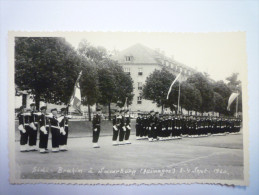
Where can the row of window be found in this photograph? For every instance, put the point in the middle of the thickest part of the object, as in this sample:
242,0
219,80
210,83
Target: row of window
140,71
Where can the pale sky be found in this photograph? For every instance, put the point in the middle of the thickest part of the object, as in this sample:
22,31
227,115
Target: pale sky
219,54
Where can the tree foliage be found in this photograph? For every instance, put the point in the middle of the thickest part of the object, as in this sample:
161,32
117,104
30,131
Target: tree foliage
157,85
47,66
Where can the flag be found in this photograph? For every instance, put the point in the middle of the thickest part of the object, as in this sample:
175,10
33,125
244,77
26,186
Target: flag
125,104
75,100
232,97
170,89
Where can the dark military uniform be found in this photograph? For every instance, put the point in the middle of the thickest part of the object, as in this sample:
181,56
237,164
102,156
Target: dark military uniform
128,128
151,125
122,129
23,128
63,138
44,126
55,132
138,126
115,127
96,127
33,131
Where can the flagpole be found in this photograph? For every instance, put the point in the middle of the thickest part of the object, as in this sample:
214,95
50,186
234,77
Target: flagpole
236,106
179,92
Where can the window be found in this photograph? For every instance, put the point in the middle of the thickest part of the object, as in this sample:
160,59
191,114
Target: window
129,58
140,71
139,85
127,71
139,100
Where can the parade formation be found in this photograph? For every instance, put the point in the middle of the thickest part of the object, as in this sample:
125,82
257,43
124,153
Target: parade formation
151,126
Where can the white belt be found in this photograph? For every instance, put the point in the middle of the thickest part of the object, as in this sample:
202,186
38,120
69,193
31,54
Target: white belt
57,127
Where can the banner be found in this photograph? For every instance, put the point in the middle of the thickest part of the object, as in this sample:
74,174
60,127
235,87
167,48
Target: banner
75,100
232,97
170,89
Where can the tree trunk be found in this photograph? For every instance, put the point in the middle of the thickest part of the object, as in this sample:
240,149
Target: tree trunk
37,101
89,112
109,105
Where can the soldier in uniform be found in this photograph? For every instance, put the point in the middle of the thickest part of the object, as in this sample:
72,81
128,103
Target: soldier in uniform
33,128
138,126
115,127
54,129
156,126
128,127
122,127
44,130
64,118
184,127
151,123
96,127
23,128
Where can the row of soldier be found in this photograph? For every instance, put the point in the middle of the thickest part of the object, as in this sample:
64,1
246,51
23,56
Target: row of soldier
163,127
32,122
152,126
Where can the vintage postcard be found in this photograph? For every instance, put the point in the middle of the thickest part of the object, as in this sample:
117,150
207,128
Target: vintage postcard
128,108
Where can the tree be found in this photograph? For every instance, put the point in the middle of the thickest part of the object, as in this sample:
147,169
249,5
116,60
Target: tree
157,85
219,103
114,85
205,87
47,66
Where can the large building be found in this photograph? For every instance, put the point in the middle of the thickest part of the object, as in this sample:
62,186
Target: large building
139,62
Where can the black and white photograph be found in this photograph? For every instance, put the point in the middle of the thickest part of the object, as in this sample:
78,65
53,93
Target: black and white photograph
128,108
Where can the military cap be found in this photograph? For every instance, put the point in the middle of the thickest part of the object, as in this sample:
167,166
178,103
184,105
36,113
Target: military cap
151,111
32,104
22,107
156,112
98,109
127,110
43,108
53,109
122,110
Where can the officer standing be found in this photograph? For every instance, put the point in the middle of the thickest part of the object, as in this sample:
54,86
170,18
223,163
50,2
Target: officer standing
44,130
55,129
23,130
64,129
96,127
115,127
128,127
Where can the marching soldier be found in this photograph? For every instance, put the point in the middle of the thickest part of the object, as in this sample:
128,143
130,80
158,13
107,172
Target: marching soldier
96,128
115,128
63,129
33,128
128,127
23,128
55,129
44,130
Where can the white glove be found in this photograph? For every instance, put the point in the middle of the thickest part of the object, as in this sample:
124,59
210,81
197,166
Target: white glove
115,128
124,129
95,129
33,126
149,128
128,127
62,131
43,129
21,128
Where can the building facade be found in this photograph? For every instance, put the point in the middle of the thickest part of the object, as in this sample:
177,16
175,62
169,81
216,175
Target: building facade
139,62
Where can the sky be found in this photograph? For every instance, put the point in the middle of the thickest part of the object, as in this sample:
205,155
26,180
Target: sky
218,54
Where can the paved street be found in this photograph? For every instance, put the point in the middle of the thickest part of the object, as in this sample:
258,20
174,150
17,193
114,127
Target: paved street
214,157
